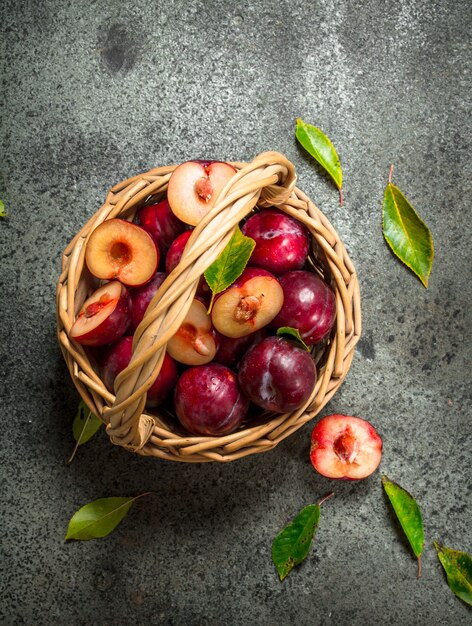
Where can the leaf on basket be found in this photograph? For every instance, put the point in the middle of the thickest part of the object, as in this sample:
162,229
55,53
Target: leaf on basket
406,234
294,333
84,426
319,146
99,518
458,568
3,213
408,514
230,264
292,544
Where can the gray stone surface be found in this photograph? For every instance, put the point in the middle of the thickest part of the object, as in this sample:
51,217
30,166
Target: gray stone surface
96,90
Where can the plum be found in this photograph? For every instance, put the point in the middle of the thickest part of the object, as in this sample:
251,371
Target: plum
104,316
250,303
345,447
309,305
173,257
232,349
194,342
282,243
277,375
159,221
118,249
194,187
117,358
209,401
141,297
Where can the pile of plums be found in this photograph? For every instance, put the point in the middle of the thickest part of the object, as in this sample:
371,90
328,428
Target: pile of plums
218,362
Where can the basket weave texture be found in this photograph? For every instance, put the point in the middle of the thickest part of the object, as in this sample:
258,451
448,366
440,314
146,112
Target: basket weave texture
269,180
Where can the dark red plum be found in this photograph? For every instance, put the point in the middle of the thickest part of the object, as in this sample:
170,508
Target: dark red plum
309,305
173,257
282,243
117,359
231,349
209,401
176,249
277,375
141,297
159,221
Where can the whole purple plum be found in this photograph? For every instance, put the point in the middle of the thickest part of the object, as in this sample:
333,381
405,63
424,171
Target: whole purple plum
277,375
309,305
209,401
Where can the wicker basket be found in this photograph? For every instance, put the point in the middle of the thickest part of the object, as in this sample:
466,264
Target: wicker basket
269,180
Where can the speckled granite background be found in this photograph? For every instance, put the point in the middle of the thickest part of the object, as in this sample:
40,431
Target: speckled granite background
97,90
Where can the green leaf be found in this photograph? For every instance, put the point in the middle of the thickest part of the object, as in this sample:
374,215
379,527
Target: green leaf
458,568
85,424
408,514
292,544
231,262
3,213
292,332
99,518
406,234
321,149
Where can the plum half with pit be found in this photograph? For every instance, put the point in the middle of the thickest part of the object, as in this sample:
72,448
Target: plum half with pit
209,401
250,303
104,316
309,305
277,375
345,447
194,187
282,243
194,342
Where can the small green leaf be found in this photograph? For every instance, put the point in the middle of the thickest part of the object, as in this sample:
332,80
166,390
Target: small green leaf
319,146
292,544
458,568
3,213
85,424
231,262
408,514
292,332
99,518
406,234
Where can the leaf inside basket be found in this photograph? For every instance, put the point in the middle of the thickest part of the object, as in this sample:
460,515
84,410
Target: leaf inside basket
230,264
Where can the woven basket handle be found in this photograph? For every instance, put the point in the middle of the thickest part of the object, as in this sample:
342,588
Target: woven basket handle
267,181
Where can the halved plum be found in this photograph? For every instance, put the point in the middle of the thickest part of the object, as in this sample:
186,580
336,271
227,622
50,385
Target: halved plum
194,187
104,316
120,250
